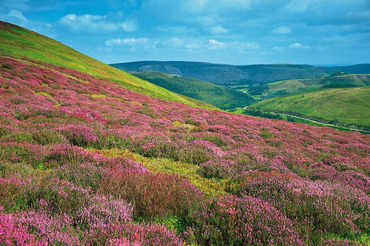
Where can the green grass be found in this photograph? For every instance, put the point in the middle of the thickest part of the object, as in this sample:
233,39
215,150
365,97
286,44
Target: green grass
219,96
22,43
346,105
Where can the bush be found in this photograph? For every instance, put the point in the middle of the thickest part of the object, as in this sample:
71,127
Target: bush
218,168
240,221
133,234
328,207
153,195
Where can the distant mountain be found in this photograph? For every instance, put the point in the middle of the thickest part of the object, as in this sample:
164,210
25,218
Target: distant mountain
229,74
359,69
217,95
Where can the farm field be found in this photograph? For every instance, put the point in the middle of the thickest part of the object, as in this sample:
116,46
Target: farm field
87,160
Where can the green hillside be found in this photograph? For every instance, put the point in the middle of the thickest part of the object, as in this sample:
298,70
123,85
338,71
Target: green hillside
285,87
219,96
344,105
22,43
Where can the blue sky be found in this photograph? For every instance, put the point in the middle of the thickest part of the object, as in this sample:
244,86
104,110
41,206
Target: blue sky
318,32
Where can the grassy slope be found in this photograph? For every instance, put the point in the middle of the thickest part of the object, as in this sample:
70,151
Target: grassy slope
19,42
296,85
216,95
347,105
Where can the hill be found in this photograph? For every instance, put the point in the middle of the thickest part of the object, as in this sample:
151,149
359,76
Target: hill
358,69
337,81
342,105
216,95
21,43
229,74
84,161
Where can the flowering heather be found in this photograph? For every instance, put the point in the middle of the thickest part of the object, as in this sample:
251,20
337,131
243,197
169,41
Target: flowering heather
85,161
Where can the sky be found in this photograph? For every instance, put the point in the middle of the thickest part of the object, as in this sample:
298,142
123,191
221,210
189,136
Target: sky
238,32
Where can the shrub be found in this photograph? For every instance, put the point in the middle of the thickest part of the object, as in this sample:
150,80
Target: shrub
329,207
79,135
240,221
218,168
133,234
45,137
153,195
86,175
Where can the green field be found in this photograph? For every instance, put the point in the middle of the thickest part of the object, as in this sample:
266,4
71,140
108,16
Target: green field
345,105
19,42
219,96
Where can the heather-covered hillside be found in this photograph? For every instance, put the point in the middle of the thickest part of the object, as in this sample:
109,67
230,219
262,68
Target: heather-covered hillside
19,42
84,161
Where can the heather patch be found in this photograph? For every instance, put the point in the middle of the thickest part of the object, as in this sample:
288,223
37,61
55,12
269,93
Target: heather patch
85,161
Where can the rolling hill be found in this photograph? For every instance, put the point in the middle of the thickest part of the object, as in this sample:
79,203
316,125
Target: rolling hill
219,96
359,69
337,81
229,74
86,161
21,43
341,105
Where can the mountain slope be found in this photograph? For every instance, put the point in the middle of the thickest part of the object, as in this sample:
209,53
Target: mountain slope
216,95
346,105
86,162
19,42
229,74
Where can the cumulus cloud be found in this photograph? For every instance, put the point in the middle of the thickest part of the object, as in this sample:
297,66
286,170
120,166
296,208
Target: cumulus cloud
299,46
236,45
15,16
217,30
214,44
282,30
96,24
133,44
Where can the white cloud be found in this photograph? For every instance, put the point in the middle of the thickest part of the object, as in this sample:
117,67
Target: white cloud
127,41
218,30
15,16
299,46
214,44
129,26
277,48
282,30
299,6
96,24
134,44
175,42
236,45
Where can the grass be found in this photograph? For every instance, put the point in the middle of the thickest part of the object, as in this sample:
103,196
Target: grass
347,105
